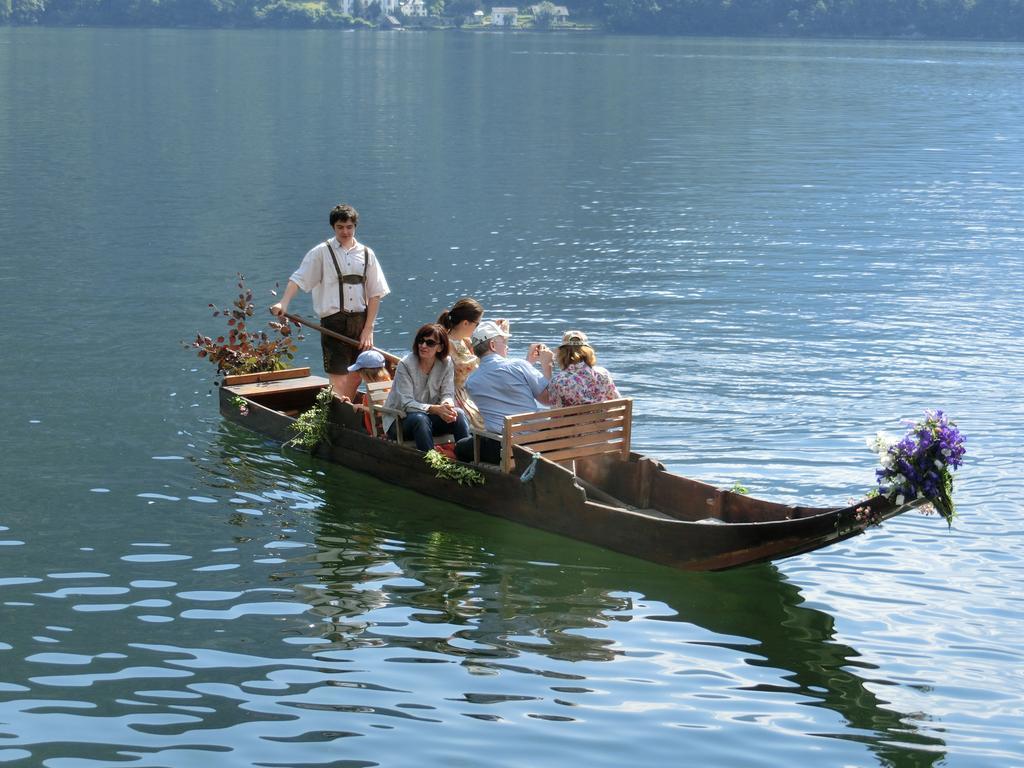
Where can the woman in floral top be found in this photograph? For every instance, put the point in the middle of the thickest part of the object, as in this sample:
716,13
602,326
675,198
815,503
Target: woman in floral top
580,381
460,321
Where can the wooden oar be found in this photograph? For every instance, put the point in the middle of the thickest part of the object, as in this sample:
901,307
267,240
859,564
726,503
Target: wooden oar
299,320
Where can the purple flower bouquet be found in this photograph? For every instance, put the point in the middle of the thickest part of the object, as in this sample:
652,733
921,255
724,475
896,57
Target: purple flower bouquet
920,466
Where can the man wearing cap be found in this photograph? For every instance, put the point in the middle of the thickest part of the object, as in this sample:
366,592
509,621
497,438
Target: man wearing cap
501,386
347,285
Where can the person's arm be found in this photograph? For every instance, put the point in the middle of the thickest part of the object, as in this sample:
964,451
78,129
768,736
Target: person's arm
448,382
305,278
538,384
366,337
401,395
281,307
446,407
547,357
611,391
541,353
375,288
554,391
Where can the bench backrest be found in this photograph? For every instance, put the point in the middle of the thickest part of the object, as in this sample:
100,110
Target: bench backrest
376,394
563,434
378,391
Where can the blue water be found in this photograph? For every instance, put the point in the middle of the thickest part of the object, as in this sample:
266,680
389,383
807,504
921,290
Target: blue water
778,248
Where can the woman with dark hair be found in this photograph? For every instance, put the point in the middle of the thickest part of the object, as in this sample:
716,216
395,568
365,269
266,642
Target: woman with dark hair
424,390
460,321
581,380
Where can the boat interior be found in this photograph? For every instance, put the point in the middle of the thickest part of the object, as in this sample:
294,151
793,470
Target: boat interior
614,477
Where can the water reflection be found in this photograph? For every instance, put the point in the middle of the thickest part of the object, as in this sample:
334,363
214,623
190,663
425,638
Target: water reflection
781,632
461,588
379,610
403,573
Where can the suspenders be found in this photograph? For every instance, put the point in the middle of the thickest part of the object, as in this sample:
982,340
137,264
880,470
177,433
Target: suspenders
350,279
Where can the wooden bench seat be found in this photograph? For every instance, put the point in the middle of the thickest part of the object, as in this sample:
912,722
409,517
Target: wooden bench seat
377,394
564,434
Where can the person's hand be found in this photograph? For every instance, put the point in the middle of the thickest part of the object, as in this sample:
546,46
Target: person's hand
366,339
446,411
547,358
539,351
278,309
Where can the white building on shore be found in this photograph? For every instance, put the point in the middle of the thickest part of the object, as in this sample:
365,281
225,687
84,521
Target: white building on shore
386,6
504,16
559,13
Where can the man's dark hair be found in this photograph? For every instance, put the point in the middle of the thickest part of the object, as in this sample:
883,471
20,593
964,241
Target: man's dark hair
344,213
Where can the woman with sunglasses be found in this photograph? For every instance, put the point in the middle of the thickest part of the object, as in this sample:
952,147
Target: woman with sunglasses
424,390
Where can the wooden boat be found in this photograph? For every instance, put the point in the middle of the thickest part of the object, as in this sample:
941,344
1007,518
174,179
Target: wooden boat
615,498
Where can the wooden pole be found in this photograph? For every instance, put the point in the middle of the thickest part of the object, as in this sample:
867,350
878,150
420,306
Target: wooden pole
299,320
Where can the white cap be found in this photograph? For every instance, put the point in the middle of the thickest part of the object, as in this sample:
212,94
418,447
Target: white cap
487,330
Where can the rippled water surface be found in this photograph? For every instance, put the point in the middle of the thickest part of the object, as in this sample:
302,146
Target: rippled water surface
778,248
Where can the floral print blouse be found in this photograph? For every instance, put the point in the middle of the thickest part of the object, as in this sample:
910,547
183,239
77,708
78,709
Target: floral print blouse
466,362
579,384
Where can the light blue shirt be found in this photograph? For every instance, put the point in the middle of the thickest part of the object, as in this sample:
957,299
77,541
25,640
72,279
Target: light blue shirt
503,387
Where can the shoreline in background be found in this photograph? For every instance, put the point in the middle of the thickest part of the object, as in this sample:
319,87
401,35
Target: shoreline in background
994,21
594,29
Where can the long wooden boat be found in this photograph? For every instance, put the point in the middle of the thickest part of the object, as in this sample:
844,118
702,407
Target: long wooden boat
628,504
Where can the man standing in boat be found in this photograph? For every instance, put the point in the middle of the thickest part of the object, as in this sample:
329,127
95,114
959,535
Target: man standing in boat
347,285
501,386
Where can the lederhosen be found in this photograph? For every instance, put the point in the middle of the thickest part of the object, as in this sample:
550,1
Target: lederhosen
338,355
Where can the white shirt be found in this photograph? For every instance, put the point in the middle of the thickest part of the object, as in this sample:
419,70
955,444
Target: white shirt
316,273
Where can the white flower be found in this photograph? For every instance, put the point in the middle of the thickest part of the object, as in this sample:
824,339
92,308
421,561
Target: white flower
880,443
939,464
899,500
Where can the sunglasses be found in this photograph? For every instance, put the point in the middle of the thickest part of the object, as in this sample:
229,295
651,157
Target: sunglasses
427,342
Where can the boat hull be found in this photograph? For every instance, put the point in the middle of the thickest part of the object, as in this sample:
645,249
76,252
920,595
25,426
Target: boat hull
634,507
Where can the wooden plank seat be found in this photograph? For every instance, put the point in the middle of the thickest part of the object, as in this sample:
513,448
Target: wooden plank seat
565,434
376,394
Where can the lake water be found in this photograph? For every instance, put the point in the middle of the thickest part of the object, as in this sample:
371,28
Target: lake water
779,248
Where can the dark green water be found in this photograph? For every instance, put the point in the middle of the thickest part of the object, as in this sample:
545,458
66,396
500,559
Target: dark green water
778,248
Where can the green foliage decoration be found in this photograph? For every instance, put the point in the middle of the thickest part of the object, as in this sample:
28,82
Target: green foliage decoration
242,350
446,469
311,427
